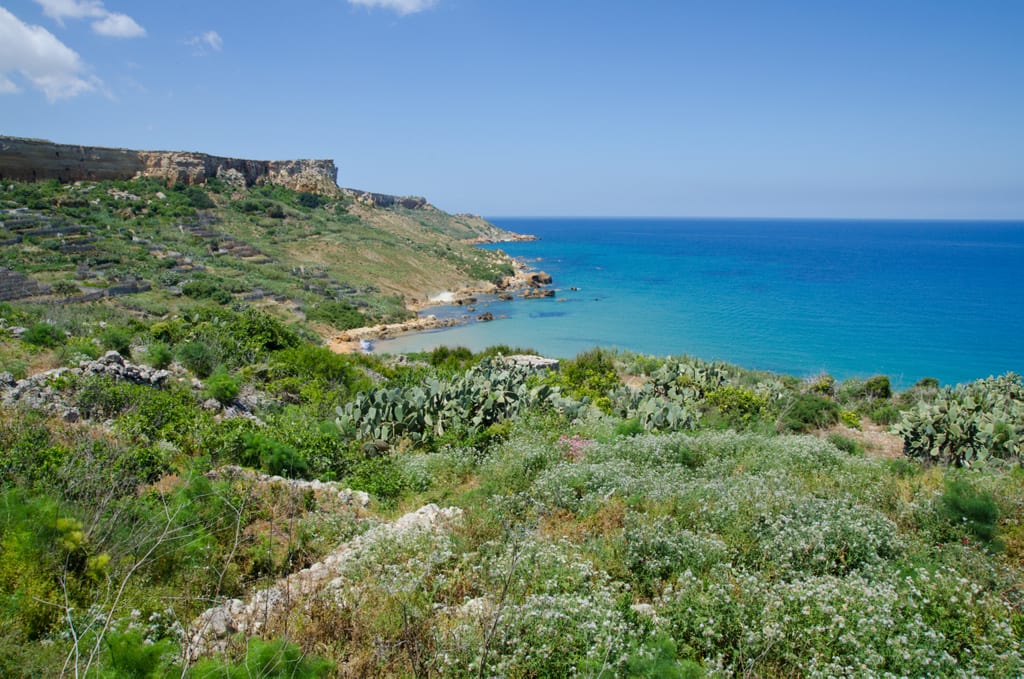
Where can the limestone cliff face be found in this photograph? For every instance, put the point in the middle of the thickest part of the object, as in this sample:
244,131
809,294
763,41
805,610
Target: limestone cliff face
37,159
387,200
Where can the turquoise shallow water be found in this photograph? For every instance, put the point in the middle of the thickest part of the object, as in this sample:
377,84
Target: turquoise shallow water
851,298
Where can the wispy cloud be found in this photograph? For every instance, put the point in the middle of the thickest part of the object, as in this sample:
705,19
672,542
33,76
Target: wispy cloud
205,42
118,26
58,10
403,7
40,58
110,24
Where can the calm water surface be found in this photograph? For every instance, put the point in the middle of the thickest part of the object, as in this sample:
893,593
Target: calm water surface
851,298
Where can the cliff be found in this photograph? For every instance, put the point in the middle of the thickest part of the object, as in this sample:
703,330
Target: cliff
386,200
37,159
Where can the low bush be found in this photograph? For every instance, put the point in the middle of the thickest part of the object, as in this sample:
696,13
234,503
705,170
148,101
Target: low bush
198,357
78,349
846,444
963,505
885,414
44,335
309,200
807,412
117,339
222,387
451,359
206,289
272,456
159,355
340,315
737,406
275,659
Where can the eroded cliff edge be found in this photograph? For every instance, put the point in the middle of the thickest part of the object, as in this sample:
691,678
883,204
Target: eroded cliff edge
37,159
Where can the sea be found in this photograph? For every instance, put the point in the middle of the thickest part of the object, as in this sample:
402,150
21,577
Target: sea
851,298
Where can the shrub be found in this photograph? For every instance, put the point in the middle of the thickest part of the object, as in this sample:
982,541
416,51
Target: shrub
850,418
116,339
310,200
78,349
273,456
277,659
44,335
657,549
198,357
591,375
340,315
885,414
450,359
222,386
963,505
822,537
806,412
131,654
159,355
65,288
382,477
260,332
846,444
199,199
822,385
878,387
630,427
205,289
737,405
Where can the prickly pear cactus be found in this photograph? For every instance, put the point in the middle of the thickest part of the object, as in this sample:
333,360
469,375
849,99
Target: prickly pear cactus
967,424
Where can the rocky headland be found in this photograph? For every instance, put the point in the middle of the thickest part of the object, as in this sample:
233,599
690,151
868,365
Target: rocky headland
38,159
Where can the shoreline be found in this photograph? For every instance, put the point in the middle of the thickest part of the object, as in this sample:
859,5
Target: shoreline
525,280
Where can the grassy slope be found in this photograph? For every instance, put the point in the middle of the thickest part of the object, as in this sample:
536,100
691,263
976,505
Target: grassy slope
373,257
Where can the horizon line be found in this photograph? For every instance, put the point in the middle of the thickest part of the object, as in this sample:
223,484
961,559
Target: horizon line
1011,220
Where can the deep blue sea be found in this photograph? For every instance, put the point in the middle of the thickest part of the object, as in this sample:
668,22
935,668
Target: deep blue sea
909,299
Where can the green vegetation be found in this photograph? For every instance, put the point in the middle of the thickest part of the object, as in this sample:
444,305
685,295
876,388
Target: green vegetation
342,264
625,516
670,528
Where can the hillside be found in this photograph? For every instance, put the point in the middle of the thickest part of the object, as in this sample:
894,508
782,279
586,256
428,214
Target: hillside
303,254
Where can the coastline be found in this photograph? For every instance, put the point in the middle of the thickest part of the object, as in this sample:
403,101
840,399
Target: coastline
526,282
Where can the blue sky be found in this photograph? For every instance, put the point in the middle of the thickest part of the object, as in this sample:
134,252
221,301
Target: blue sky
901,108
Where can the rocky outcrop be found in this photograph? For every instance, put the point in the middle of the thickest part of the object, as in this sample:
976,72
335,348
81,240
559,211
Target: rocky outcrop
386,200
383,331
536,364
347,496
39,392
269,608
37,159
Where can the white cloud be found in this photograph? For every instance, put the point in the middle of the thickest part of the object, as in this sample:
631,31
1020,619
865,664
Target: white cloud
110,24
72,9
403,7
118,26
210,40
43,60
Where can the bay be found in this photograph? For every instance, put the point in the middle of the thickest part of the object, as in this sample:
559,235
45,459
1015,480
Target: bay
909,299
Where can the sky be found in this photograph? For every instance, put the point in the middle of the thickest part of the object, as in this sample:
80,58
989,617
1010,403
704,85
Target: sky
721,108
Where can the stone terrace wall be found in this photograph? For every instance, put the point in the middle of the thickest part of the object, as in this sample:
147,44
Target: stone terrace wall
37,159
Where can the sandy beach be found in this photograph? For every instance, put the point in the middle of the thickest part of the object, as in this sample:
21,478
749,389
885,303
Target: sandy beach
525,279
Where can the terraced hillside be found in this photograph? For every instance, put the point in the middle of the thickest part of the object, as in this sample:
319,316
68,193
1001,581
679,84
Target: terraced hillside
146,247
